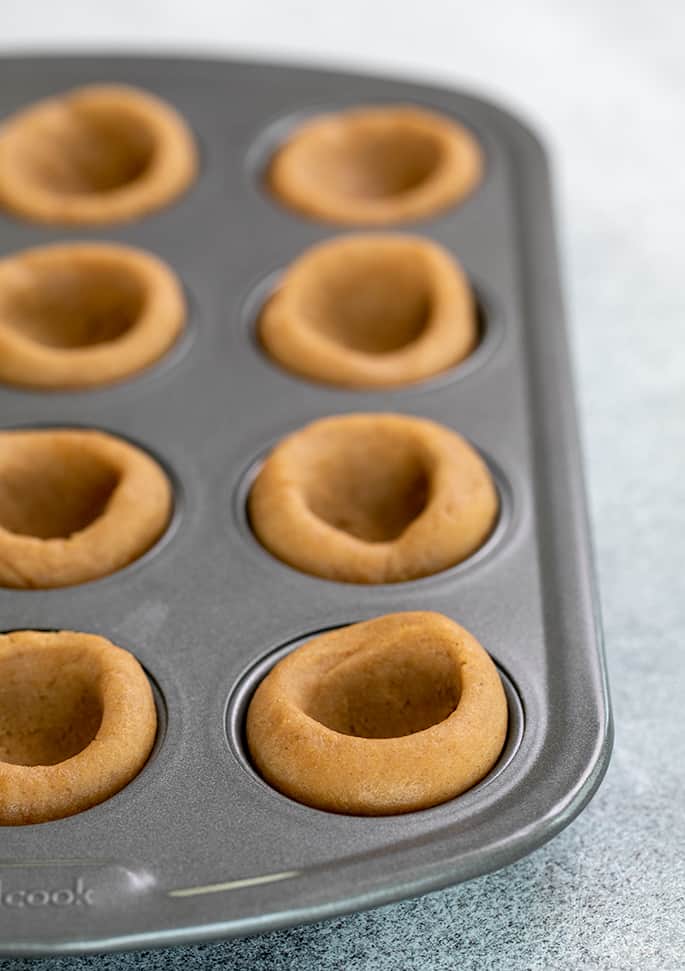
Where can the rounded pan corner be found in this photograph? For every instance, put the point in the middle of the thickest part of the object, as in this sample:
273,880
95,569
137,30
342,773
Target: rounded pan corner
515,120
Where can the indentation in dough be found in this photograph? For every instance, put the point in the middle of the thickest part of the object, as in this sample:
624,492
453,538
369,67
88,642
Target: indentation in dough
389,715
373,164
376,165
87,148
387,693
369,485
371,311
50,491
99,153
73,303
49,711
376,304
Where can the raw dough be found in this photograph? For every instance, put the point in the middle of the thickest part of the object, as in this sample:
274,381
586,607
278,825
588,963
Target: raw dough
75,505
85,314
97,154
77,723
373,498
376,166
371,311
387,716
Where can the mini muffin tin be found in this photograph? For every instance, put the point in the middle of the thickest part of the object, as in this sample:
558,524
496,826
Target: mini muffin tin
198,846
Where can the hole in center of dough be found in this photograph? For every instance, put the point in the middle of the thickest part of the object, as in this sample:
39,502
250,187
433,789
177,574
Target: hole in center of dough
73,303
387,693
370,484
374,163
375,302
51,490
50,708
86,149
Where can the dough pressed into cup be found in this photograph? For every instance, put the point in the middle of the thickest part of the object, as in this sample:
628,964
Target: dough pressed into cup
373,498
371,311
77,723
97,154
75,505
391,715
376,166
81,315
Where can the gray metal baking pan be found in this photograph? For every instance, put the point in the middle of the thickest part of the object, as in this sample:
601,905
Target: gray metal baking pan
197,846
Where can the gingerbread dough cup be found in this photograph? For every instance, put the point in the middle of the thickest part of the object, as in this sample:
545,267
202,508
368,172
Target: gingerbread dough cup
376,166
77,723
373,498
371,311
387,716
84,315
97,154
75,506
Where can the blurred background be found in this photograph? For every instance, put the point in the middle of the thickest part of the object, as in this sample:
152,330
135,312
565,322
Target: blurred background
604,83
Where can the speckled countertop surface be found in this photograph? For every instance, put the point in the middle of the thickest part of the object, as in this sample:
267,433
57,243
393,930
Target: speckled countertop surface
605,81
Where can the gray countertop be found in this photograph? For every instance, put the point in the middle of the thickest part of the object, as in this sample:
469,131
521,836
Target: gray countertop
605,82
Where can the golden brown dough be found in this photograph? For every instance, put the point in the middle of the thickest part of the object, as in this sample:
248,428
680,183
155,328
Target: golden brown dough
387,716
97,154
77,723
75,505
80,315
373,498
371,311
376,166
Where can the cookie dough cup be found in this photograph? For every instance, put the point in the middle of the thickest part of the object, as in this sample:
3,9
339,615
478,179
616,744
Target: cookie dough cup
97,154
85,315
75,505
376,166
373,498
391,715
371,311
77,723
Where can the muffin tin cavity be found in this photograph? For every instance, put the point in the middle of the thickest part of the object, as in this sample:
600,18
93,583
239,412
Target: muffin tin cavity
75,505
376,166
371,311
373,498
386,716
97,154
77,723
84,315
240,698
